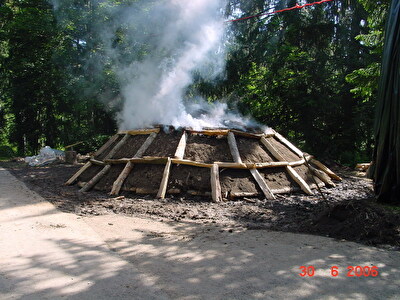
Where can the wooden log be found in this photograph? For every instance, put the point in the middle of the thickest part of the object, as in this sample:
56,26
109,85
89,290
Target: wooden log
198,193
117,147
233,148
174,191
146,191
140,131
300,181
92,182
232,165
180,150
97,162
289,144
77,174
322,175
233,195
262,184
210,132
96,179
297,163
129,165
164,182
70,157
81,184
272,149
106,145
215,184
190,163
296,177
247,134
145,145
142,160
325,169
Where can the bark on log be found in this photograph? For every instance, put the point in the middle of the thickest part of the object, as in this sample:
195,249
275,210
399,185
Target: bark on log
300,181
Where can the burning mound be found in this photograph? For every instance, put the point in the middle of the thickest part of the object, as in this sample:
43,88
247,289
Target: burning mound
220,163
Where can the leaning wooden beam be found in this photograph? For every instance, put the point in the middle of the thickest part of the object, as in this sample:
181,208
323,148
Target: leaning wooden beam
325,169
257,177
300,181
296,177
129,165
164,182
322,175
215,184
289,144
180,150
92,182
141,131
77,174
106,145
233,148
262,184
89,163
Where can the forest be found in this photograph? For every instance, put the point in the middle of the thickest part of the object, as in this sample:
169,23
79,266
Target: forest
312,74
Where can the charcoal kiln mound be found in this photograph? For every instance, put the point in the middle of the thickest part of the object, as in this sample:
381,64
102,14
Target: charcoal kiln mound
217,163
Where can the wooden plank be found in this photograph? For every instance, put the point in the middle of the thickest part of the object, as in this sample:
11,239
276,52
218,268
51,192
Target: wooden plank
140,131
262,184
325,169
289,144
233,148
77,174
129,165
300,181
164,182
180,150
215,184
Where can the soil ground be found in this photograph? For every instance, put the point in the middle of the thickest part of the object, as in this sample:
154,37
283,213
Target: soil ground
348,211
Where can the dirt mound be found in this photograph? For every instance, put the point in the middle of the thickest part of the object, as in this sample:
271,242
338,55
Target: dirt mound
360,221
218,163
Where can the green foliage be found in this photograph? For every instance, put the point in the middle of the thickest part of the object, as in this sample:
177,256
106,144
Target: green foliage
6,152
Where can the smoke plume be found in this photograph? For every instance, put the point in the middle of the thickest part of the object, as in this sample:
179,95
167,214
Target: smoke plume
162,43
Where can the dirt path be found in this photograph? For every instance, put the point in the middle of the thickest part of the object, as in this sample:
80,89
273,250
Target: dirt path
48,254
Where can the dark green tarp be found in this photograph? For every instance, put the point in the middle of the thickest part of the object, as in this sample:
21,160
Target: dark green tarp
386,170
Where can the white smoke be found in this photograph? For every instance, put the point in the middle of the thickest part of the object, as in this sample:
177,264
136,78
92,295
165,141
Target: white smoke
182,37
